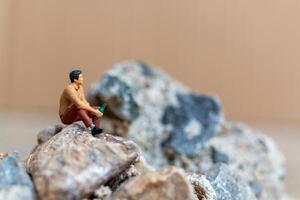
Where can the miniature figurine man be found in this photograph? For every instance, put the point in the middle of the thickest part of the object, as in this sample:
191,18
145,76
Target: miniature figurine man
74,107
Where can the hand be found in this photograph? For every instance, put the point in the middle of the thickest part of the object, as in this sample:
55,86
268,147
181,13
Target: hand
98,114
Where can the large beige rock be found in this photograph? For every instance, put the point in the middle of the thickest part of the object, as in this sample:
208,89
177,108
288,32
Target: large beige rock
166,184
73,164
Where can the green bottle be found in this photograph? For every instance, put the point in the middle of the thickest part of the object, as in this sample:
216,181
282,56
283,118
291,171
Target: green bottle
102,107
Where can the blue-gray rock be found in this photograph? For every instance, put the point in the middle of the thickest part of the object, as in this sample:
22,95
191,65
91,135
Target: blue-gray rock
218,156
246,152
15,183
228,185
193,121
124,105
256,188
174,125
162,114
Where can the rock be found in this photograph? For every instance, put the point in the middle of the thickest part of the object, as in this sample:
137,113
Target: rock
142,166
227,185
139,167
202,187
193,121
15,183
256,188
103,193
288,197
218,157
167,184
73,164
174,126
3,155
16,193
48,133
162,115
246,152
114,183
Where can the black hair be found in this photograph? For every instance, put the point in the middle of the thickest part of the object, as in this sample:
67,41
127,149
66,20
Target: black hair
74,75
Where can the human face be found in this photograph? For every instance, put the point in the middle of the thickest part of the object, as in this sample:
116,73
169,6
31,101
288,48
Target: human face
79,81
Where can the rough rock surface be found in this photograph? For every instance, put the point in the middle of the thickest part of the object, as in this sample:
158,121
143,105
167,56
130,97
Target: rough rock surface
202,187
102,193
15,183
3,155
158,109
49,132
167,184
228,185
73,164
174,126
246,152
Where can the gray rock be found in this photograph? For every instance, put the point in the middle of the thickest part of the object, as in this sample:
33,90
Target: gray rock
17,193
202,187
193,121
162,114
248,153
288,197
228,185
49,132
218,156
103,193
15,183
114,183
167,184
174,126
73,164
256,188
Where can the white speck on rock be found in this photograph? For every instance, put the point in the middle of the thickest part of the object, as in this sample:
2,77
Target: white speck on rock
193,129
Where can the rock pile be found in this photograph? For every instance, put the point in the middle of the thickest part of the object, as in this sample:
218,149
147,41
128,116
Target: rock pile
175,144
73,164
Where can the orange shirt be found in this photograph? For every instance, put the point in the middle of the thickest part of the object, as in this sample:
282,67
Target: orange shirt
72,95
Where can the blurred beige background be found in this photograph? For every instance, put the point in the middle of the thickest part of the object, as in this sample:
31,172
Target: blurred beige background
247,52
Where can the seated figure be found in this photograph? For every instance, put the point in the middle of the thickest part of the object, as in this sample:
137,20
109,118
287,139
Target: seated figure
74,107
